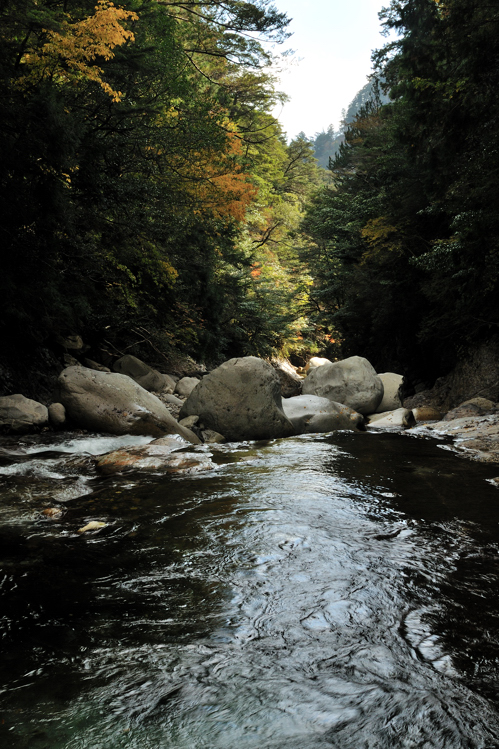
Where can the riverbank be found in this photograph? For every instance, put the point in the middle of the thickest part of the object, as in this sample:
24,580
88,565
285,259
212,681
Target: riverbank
474,437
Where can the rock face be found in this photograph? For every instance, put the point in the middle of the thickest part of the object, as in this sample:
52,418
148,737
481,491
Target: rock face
400,417
147,377
114,403
310,414
475,376
473,407
241,399
21,415
352,382
391,386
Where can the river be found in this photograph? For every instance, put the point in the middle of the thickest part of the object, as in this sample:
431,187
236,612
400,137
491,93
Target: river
321,591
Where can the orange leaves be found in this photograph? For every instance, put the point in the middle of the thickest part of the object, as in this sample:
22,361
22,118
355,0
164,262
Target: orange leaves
221,186
69,54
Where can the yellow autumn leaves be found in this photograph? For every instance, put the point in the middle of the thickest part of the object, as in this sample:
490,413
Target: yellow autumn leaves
70,52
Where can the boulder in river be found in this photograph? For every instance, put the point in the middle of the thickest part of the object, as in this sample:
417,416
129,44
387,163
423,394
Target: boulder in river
391,388
20,415
352,381
114,403
241,399
311,414
154,457
147,377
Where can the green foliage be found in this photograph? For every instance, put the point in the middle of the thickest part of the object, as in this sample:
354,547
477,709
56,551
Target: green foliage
133,152
406,241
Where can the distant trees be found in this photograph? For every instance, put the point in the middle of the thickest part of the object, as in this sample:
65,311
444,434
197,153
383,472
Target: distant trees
406,239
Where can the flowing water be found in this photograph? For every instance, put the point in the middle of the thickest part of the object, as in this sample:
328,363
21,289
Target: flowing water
321,591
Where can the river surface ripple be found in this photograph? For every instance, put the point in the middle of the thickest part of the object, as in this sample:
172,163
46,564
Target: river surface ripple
320,591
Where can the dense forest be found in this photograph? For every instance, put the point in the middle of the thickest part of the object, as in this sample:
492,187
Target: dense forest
148,193
152,203
405,254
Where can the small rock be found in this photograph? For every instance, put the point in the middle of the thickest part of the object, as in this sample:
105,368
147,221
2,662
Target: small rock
52,512
212,437
427,413
57,414
186,385
92,526
189,421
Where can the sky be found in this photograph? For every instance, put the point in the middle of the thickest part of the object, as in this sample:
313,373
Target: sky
333,40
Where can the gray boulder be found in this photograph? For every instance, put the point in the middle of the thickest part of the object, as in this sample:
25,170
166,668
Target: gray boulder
21,415
290,382
241,399
147,377
310,414
185,386
114,403
57,415
352,382
391,387
316,361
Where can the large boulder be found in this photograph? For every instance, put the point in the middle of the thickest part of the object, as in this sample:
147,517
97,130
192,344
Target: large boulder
241,399
20,415
352,382
147,377
310,414
391,392
114,403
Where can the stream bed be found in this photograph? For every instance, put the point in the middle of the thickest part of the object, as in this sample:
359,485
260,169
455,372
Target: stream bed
332,590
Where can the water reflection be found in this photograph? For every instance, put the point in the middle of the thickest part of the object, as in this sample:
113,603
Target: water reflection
317,591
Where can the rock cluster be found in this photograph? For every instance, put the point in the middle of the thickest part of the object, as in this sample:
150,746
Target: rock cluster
245,398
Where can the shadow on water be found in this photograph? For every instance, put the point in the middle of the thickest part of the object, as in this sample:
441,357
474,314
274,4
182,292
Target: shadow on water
323,591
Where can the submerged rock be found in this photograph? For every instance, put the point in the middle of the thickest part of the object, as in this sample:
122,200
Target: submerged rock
157,456
94,525
310,414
